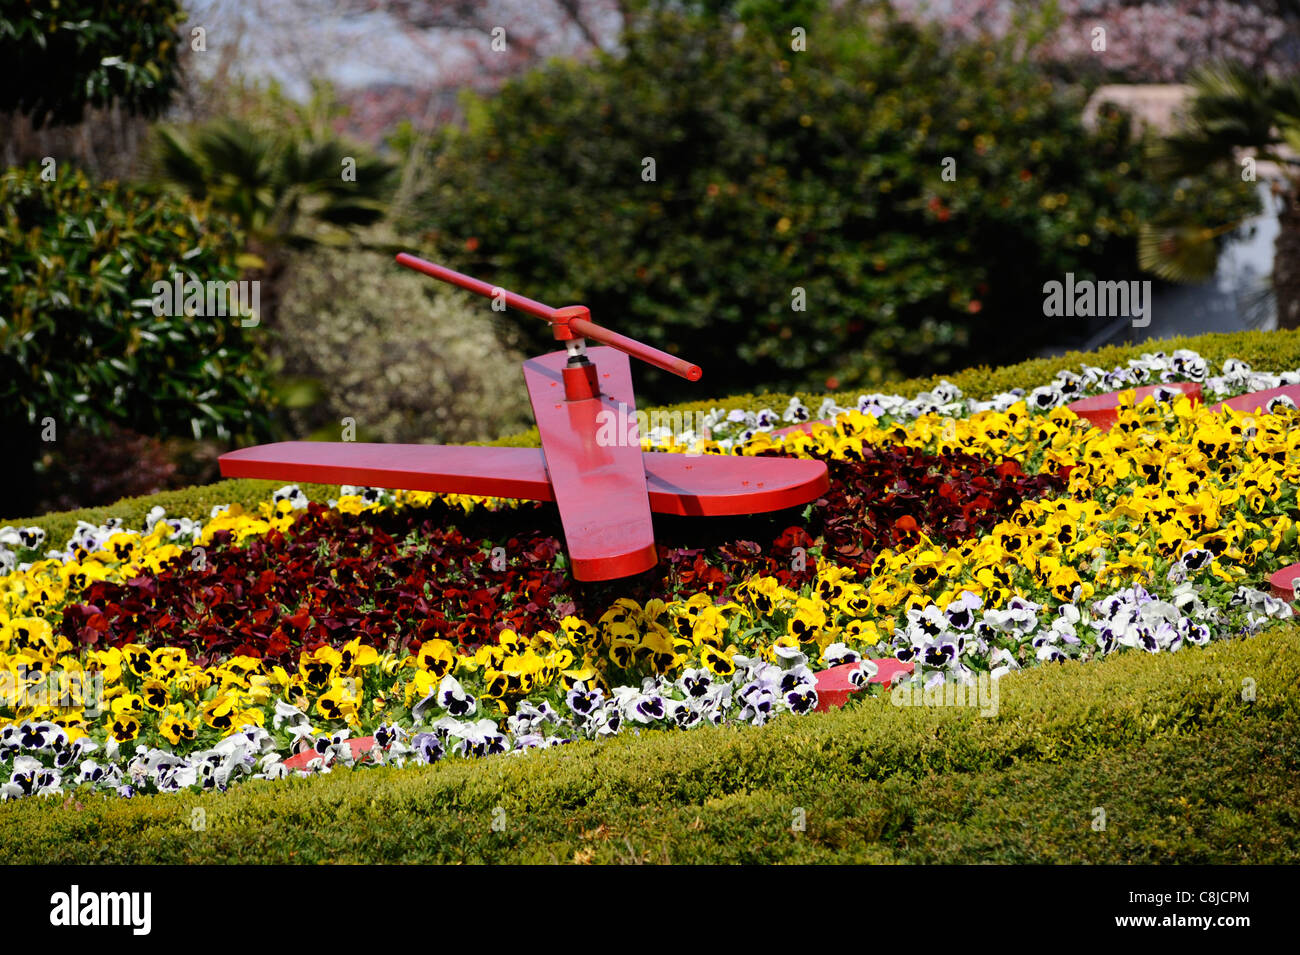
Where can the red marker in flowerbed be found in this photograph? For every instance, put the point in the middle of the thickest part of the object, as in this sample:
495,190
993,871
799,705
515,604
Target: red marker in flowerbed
1102,411
834,687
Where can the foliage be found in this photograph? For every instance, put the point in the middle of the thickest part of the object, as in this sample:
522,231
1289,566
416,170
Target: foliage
405,358
1146,41
278,167
1233,110
61,56
79,341
779,170
283,189
1187,771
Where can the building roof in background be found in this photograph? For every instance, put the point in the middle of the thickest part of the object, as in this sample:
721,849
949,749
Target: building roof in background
1154,106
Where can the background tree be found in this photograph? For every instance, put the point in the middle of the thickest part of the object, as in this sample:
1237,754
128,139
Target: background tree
1237,118
80,345
911,191
283,174
280,170
60,56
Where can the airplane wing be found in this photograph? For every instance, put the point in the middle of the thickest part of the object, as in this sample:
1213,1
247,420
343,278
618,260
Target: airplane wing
442,468
590,464
1258,400
709,485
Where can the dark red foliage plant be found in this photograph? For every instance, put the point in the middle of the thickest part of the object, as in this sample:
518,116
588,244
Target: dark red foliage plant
395,579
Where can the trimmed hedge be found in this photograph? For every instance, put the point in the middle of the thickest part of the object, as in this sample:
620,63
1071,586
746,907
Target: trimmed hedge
1185,769
1267,351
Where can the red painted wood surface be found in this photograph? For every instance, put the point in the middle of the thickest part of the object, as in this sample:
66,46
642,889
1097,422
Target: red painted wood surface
470,284
648,354
709,485
1282,582
1258,400
359,746
442,468
714,485
593,457
1101,410
834,688
568,322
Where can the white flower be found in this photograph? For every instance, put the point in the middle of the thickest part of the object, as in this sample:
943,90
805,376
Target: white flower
837,653
291,493
453,698
285,713
796,411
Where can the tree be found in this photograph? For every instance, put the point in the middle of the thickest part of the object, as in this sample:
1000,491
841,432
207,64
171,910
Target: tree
879,199
1140,41
60,56
81,345
283,175
1236,120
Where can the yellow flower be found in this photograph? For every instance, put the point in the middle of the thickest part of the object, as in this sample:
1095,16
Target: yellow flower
719,662
155,694
317,668
355,655
124,728
176,729
808,620
339,702
219,712
437,657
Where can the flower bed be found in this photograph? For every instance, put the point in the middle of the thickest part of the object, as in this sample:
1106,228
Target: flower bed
1011,537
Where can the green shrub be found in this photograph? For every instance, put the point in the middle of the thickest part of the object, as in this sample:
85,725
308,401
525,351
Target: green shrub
406,359
1165,744
60,57
777,170
282,173
80,345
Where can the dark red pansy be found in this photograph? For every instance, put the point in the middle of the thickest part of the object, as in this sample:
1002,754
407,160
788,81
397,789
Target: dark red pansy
398,579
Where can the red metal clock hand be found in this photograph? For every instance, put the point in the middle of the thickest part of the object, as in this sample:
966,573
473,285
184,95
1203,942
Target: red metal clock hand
568,323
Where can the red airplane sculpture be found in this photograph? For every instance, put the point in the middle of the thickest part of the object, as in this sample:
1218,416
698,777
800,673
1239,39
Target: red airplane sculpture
605,490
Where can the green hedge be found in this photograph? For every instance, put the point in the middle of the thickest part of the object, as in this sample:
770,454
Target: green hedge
1185,769
1266,351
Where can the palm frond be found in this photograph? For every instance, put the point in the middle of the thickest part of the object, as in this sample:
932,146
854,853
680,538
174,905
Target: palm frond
1181,253
1232,101
175,160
